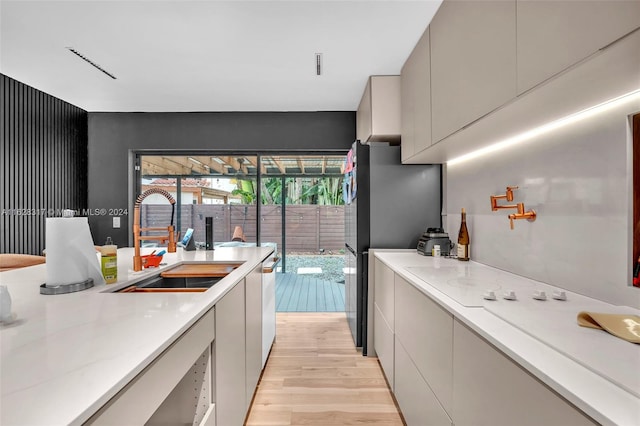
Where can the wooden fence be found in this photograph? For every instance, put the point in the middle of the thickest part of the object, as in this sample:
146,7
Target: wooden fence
309,229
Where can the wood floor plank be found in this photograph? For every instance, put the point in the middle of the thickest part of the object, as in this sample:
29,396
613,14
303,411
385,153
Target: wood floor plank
321,303
286,285
315,376
301,293
328,295
338,294
295,296
304,295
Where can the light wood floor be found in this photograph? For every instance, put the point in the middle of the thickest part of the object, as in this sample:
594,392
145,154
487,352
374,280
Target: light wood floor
315,376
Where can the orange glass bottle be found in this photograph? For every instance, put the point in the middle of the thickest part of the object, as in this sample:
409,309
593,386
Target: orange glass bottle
463,239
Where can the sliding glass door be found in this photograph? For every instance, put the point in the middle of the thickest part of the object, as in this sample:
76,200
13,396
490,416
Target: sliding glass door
221,188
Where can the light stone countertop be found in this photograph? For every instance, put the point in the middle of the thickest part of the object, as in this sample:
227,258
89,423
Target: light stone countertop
65,356
553,348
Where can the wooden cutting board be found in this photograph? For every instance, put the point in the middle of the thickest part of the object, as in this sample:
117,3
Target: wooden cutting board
269,265
200,270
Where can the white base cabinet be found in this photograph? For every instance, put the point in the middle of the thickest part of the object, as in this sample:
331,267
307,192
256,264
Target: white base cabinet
209,375
490,389
418,403
442,373
253,331
268,311
230,385
383,337
383,317
152,390
426,333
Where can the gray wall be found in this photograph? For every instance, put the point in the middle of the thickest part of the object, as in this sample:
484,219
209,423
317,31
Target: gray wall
113,135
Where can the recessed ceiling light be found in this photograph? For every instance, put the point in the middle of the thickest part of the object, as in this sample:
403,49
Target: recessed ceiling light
89,61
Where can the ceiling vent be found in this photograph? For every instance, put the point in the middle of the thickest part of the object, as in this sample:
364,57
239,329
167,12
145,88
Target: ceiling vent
93,64
318,63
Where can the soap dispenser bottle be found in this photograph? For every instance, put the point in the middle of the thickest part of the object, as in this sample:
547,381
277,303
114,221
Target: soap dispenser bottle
109,261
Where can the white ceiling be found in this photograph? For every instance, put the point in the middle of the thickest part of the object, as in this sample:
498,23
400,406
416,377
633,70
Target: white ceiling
208,55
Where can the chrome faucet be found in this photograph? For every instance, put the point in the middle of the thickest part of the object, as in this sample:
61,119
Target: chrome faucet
171,238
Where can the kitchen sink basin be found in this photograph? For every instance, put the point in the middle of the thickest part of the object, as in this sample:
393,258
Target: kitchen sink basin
161,284
189,277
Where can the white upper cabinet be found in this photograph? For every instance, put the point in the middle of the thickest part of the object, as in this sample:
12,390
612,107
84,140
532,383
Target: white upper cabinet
416,100
473,62
553,35
407,109
378,116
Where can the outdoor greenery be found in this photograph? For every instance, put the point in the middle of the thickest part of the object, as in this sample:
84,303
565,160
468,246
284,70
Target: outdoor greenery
317,191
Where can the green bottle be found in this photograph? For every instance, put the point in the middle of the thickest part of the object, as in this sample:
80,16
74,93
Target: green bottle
109,261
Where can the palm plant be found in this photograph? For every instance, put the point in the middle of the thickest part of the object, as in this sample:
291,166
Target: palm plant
320,191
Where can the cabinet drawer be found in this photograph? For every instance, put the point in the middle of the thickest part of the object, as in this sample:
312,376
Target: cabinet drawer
384,291
426,332
417,402
383,337
490,389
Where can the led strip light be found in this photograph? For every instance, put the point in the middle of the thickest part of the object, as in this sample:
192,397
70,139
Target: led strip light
546,128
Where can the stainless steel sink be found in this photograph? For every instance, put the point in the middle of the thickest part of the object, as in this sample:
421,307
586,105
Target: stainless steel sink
181,282
184,278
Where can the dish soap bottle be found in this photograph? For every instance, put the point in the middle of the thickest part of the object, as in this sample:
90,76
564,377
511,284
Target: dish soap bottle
463,239
109,261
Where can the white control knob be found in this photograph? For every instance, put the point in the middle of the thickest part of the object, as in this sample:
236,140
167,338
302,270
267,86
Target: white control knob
540,295
559,295
489,295
509,295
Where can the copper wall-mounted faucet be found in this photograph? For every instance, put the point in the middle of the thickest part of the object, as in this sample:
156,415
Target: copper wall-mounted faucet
521,214
530,215
508,196
171,238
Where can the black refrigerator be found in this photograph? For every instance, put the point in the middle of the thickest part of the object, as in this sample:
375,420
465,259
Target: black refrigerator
387,205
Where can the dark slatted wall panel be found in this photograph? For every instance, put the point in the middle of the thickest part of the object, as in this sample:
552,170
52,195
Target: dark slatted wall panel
44,163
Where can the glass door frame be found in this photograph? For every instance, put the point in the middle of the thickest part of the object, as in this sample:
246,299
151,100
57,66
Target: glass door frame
136,179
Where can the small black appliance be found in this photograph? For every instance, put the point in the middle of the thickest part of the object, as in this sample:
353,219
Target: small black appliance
432,237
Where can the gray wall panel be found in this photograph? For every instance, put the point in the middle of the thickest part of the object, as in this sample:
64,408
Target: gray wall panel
113,135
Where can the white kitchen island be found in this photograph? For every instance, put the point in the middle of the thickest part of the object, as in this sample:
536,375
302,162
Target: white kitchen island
65,357
455,358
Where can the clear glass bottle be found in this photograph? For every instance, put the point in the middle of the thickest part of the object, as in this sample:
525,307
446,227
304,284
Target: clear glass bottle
463,239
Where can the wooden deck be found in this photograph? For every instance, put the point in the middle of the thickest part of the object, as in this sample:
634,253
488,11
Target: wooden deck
301,293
